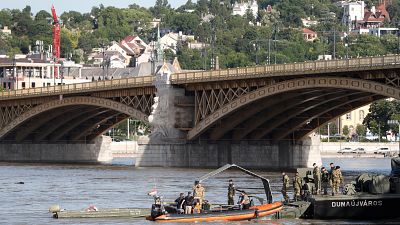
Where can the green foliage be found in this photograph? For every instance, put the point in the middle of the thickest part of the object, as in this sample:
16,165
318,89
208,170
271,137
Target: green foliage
236,42
185,22
361,130
346,130
379,114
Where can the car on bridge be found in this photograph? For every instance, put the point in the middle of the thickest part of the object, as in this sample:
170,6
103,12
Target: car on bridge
359,151
345,150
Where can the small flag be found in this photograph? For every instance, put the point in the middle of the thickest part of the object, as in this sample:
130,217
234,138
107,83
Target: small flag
152,192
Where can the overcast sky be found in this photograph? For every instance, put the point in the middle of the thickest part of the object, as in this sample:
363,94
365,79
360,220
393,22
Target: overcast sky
78,5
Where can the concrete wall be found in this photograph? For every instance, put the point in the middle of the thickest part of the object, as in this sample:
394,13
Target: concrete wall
64,153
283,155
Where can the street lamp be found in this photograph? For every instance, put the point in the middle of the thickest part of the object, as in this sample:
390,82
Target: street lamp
329,131
62,72
398,38
54,71
257,48
14,62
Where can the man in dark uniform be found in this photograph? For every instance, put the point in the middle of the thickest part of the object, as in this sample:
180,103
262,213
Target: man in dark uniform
325,180
231,193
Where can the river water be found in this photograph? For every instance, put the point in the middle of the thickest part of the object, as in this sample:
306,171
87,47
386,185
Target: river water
121,185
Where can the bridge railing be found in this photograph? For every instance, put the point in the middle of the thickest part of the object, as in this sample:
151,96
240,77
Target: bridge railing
287,69
81,87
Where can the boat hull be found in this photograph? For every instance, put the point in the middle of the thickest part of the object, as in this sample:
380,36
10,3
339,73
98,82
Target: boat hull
104,213
356,207
234,215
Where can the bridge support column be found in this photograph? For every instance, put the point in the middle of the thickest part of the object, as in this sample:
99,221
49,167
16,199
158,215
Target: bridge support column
99,151
260,155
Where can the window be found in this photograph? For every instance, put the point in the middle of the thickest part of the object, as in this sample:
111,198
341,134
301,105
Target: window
348,116
33,85
362,115
23,85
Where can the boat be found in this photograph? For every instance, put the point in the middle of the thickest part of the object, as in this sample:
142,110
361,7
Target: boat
160,213
93,212
369,197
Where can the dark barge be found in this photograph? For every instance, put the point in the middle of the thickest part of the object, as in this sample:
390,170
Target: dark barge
369,197
361,206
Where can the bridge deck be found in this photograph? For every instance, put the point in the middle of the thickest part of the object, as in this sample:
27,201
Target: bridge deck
144,81
312,67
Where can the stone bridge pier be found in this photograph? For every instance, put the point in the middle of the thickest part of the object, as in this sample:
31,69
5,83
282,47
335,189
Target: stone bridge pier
259,155
95,152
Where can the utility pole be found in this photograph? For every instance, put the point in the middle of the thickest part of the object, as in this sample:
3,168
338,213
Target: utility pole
275,32
213,40
269,51
334,42
398,37
103,63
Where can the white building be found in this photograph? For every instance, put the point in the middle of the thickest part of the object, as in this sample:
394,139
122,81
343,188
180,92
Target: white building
171,39
378,31
22,73
5,30
352,11
242,7
308,22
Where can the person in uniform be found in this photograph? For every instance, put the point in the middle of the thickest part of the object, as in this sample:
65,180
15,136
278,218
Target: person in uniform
324,180
198,191
332,168
317,178
231,193
285,186
244,201
337,180
297,186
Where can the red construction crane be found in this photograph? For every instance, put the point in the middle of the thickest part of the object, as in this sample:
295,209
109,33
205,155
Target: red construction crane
56,38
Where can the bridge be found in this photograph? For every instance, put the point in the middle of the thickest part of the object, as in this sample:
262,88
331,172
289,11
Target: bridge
262,105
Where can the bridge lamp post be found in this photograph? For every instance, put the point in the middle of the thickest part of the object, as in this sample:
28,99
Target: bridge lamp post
256,45
14,62
329,131
398,38
396,122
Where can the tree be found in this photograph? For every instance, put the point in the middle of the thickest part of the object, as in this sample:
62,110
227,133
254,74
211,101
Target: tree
202,7
346,130
160,8
185,22
361,130
379,113
6,17
42,15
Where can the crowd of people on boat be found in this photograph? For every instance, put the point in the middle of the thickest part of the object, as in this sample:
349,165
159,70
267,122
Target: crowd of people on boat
194,202
322,179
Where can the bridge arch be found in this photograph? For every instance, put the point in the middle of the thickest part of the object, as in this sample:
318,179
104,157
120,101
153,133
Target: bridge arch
367,91
86,109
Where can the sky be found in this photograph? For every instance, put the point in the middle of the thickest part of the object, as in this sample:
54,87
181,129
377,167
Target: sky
79,5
